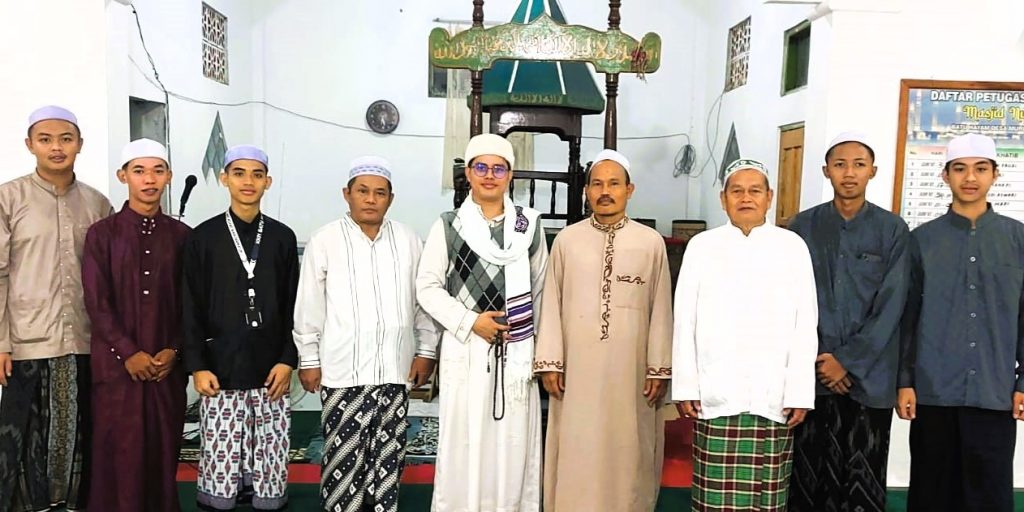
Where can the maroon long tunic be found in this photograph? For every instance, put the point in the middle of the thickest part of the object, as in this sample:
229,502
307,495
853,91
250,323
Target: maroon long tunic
130,273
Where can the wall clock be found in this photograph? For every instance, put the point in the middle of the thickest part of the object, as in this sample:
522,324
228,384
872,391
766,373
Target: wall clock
382,116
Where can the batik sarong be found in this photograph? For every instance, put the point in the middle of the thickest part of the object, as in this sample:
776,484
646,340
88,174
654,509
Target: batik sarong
839,457
364,447
44,435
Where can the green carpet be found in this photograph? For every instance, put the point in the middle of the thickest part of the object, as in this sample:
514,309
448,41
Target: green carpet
416,498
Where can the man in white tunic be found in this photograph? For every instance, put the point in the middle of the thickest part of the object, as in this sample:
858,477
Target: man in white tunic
745,340
480,277
357,329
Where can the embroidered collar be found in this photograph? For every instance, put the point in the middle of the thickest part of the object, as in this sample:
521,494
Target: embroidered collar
608,227
146,224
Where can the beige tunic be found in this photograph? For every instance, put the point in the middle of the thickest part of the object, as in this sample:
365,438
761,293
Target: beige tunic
606,322
42,233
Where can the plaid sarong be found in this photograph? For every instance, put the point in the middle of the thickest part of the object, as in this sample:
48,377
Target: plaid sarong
741,463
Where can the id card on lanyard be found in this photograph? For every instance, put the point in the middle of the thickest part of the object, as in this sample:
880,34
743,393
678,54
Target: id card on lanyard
253,317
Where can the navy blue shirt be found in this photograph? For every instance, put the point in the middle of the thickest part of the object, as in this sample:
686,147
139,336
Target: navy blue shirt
962,339
861,269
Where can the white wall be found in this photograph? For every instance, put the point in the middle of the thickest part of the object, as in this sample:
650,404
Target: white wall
173,34
758,109
378,50
53,55
879,42
275,46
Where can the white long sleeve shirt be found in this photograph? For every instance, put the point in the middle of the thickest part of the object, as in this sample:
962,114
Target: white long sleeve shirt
746,318
356,315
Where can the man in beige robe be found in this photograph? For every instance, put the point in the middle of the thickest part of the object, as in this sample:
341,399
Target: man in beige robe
603,353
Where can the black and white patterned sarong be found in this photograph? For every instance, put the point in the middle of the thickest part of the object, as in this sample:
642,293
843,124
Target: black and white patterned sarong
364,447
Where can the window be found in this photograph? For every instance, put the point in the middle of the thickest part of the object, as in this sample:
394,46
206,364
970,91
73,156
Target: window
739,55
795,57
215,45
437,82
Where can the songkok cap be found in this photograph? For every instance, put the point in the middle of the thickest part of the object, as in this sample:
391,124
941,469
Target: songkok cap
971,145
370,165
490,144
843,138
246,152
51,112
612,155
143,148
742,164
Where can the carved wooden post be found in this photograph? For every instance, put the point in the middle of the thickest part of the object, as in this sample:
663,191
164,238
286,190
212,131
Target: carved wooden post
478,13
575,205
611,84
476,80
476,118
611,124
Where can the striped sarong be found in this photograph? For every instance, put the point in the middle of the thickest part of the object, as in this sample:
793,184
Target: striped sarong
364,447
741,463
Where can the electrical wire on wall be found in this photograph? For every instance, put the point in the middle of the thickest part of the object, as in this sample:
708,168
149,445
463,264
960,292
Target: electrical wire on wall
644,137
685,159
712,143
167,101
156,82
683,163
344,126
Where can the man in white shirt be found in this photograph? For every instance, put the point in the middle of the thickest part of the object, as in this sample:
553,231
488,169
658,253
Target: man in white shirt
745,369
357,330
481,278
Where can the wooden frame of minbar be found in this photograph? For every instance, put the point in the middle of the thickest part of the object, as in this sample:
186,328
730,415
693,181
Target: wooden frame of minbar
611,52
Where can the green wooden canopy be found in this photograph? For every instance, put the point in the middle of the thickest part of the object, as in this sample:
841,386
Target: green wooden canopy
562,84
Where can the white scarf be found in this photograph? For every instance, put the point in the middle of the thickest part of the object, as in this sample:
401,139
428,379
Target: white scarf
519,228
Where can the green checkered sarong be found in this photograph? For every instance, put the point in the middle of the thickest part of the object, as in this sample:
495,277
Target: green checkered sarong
741,463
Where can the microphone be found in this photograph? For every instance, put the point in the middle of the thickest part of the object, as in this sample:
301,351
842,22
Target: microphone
190,183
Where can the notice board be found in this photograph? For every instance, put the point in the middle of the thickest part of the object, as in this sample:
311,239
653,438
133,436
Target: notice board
931,113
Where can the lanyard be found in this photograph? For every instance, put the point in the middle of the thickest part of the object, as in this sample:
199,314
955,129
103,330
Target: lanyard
248,262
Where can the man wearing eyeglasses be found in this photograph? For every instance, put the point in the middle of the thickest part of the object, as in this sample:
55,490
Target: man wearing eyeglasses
607,318
480,277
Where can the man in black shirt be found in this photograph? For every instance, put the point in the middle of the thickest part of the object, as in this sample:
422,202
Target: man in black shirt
240,278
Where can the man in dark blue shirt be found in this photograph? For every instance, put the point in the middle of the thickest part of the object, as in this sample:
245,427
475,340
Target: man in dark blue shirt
962,343
859,252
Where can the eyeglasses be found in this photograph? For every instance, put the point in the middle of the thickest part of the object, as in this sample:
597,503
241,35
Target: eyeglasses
481,169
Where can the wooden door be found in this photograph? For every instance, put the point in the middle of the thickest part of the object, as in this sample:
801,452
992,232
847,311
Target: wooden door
791,159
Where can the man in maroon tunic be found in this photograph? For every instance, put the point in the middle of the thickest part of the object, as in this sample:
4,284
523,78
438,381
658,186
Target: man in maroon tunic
130,273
